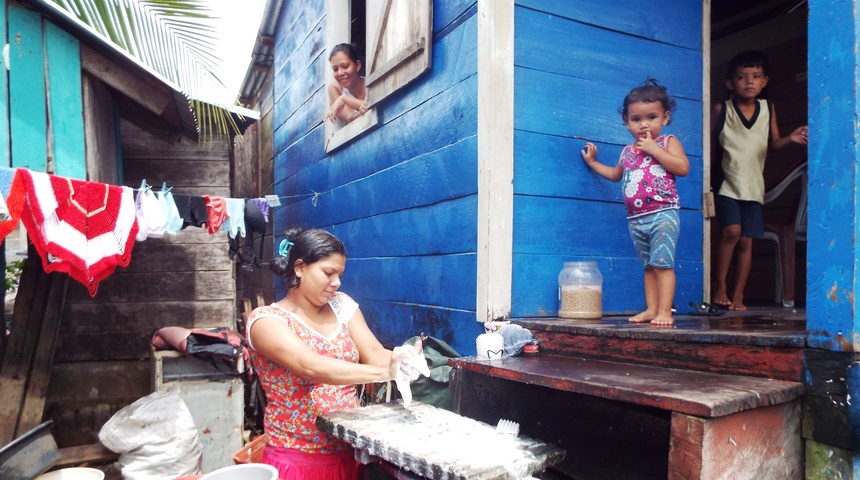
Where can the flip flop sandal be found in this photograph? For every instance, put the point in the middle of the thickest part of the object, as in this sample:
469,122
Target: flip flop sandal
705,310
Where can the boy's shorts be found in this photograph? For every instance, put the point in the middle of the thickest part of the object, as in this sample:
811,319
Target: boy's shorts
746,213
655,236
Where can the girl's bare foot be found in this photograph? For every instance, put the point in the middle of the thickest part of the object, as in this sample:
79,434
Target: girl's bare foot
721,299
738,306
643,317
663,319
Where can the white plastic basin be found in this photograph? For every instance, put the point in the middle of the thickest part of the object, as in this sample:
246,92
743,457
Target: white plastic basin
77,473
247,471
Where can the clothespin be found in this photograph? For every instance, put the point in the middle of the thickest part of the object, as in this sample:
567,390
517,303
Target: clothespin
165,189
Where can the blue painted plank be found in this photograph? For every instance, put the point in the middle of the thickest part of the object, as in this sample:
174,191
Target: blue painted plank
303,73
27,90
676,22
455,58
448,13
298,19
66,106
443,228
610,56
552,166
393,323
428,127
546,225
590,111
304,151
423,180
832,278
534,289
438,280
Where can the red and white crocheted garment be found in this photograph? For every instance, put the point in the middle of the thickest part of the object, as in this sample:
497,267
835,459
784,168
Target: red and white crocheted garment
85,229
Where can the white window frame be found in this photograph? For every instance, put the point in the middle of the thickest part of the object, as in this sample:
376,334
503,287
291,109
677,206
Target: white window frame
394,58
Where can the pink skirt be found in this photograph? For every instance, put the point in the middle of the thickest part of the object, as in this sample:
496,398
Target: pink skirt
297,465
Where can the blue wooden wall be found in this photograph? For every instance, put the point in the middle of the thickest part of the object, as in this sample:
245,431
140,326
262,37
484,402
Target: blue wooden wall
402,197
574,63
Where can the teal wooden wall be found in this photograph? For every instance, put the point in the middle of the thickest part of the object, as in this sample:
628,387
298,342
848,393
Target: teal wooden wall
402,197
43,100
574,63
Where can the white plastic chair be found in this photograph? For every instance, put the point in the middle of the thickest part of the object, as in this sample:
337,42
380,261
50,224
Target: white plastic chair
787,235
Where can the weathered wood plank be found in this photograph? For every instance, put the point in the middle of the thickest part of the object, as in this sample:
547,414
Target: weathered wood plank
21,347
94,453
27,97
177,286
153,96
100,132
693,393
780,363
754,444
110,318
177,173
66,105
50,312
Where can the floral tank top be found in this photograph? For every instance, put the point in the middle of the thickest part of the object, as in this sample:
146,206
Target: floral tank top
647,186
293,403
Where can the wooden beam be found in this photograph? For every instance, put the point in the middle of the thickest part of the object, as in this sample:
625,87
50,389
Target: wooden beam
124,81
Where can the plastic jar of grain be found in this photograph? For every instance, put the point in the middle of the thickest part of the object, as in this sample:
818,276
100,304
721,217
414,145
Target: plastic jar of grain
580,290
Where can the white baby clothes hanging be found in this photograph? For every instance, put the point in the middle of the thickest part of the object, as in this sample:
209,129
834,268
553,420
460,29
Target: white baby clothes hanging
235,224
150,215
172,219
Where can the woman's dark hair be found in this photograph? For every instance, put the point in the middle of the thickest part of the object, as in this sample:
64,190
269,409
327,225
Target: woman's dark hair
309,246
649,92
347,48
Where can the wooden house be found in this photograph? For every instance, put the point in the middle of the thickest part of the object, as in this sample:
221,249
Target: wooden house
462,192
79,107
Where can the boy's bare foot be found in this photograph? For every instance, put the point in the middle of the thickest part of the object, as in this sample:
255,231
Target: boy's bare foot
721,299
662,319
738,306
643,317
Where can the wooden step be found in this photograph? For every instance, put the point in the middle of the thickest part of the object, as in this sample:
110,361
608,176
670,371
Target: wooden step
701,394
670,423
750,345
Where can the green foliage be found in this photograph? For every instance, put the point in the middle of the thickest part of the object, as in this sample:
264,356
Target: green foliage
175,38
13,274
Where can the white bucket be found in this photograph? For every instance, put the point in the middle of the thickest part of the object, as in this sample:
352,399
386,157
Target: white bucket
247,471
78,473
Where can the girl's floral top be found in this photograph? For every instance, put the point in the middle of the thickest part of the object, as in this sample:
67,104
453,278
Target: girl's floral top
647,186
293,403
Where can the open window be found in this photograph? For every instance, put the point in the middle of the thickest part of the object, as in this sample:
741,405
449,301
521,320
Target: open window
396,37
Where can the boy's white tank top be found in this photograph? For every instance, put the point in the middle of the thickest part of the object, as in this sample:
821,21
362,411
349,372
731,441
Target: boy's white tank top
744,152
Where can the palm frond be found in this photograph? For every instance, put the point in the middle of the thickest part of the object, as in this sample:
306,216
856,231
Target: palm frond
176,38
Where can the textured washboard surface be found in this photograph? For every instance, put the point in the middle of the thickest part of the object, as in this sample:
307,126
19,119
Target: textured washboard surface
439,444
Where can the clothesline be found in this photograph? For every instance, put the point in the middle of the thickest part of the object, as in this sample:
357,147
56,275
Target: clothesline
87,229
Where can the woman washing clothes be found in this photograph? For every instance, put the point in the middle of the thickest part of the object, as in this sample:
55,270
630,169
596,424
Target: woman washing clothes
347,94
310,349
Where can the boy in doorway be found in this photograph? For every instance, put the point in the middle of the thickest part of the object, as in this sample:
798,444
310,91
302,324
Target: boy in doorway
746,127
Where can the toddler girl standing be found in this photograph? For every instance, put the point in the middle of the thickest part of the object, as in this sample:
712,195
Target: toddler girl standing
648,168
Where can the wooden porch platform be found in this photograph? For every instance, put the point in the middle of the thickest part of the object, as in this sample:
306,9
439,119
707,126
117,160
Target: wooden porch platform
761,342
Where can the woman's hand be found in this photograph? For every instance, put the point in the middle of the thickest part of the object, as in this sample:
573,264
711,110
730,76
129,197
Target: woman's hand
334,109
399,360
